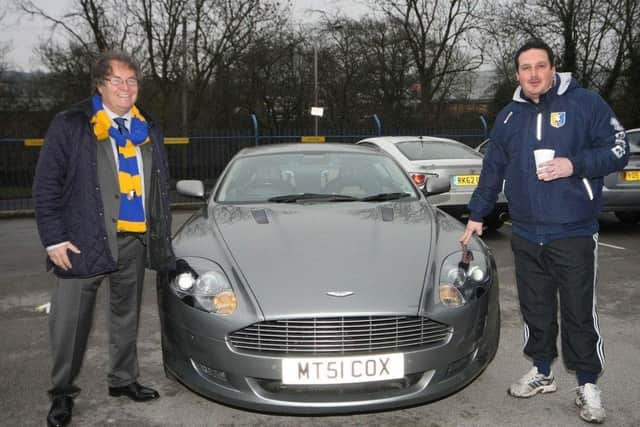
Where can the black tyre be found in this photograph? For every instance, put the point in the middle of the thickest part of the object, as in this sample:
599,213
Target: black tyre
493,224
495,220
628,217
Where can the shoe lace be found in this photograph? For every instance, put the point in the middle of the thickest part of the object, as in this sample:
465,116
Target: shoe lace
590,395
531,376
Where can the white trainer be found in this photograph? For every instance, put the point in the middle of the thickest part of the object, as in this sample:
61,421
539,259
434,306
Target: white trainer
588,400
533,383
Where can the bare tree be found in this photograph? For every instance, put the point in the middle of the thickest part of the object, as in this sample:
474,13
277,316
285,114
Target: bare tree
92,25
629,108
440,35
273,80
221,32
341,67
158,30
588,35
4,47
88,27
387,71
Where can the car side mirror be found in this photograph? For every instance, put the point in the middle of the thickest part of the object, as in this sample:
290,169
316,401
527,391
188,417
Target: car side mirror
190,188
437,185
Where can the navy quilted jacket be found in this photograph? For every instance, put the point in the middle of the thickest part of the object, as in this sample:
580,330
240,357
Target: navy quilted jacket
67,197
577,124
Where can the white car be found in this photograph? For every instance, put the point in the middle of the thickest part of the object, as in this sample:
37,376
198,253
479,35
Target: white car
423,157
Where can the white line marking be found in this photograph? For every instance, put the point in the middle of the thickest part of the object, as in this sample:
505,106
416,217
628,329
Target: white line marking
611,246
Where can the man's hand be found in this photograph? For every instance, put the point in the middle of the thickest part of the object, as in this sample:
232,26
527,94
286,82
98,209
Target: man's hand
59,255
473,227
560,167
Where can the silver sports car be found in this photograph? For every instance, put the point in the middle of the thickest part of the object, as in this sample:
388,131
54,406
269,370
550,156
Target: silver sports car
317,278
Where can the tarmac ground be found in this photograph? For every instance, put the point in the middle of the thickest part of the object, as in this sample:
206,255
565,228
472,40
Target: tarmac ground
25,360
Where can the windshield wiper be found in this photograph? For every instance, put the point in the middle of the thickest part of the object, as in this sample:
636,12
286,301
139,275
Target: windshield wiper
382,197
293,198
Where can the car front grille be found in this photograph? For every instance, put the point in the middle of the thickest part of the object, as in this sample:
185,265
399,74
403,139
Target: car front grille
340,335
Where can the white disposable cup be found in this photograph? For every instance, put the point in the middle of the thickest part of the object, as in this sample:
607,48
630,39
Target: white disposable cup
542,155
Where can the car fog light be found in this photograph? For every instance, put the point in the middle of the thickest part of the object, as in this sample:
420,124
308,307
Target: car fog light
225,302
451,296
185,281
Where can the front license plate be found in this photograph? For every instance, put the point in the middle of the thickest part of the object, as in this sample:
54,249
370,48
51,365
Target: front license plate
632,175
342,370
466,179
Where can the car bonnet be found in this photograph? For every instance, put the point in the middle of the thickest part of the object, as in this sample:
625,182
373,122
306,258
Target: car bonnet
328,259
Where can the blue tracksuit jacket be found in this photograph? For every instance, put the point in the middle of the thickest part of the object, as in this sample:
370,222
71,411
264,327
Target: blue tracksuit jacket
577,124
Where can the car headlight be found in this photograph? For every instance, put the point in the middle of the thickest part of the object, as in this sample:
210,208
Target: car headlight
208,290
462,275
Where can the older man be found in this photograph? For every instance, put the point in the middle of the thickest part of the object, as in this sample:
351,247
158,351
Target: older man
102,209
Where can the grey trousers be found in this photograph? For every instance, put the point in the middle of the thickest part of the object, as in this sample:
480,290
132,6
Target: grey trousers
72,305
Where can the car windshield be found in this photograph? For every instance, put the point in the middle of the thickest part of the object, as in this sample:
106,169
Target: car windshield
634,142
317,176
434,150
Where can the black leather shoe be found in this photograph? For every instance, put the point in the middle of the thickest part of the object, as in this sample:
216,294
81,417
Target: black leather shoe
60,412
134,391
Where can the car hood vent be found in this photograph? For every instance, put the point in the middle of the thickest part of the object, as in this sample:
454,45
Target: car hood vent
260,216
387,213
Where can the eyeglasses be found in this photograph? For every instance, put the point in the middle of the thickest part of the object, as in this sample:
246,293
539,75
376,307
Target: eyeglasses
119,82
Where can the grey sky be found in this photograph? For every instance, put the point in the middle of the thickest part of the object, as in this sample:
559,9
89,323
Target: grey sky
23,33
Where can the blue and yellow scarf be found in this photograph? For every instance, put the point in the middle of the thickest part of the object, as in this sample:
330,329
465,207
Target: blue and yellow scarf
131,216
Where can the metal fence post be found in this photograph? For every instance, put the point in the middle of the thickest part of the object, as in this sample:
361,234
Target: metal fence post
376,119
254,120
485,127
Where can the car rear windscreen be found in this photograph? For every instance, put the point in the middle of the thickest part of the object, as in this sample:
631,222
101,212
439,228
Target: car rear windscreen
428,150
634,142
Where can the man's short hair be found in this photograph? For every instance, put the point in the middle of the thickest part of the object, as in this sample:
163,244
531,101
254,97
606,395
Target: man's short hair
534,44
102,67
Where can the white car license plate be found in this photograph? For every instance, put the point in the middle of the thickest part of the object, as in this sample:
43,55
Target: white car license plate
342,370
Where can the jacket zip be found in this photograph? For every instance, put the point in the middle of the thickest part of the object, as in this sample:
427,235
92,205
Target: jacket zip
539,138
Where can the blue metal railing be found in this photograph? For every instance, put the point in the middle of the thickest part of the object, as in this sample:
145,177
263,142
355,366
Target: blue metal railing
196,157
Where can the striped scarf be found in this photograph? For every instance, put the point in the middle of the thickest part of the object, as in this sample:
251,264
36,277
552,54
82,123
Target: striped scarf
131,216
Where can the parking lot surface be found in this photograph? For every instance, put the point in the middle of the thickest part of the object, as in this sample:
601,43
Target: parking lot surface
25,361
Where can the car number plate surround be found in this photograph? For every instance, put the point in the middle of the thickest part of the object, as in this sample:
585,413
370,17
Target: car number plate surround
342,370
466,180
632,175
